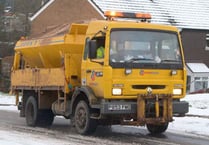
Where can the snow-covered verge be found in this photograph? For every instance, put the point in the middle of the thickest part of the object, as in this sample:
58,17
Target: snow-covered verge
6,99
198,105
7,102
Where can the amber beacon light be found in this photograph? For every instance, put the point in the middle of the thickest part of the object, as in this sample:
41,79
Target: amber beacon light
114,14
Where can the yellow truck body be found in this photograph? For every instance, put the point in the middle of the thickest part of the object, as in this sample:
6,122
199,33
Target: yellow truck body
63,76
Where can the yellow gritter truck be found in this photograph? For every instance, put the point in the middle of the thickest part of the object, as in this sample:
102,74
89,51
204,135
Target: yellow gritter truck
139,80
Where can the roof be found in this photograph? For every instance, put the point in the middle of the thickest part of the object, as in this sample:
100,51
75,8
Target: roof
190,14
42,9
198,67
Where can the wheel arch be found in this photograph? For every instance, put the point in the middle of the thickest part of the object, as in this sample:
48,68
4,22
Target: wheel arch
86,94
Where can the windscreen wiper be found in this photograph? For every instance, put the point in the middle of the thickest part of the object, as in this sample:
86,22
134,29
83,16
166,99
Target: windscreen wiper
137,59
129,62
169,60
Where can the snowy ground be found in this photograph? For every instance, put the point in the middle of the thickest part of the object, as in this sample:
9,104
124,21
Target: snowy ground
199,105
21,138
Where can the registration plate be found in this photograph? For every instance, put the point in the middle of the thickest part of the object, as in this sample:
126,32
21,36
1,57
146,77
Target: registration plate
114,107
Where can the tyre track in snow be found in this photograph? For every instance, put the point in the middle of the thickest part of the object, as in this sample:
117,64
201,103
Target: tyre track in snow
200,116
116,139
10,120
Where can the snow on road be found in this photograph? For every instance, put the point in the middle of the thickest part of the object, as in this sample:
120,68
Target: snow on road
198,105
9,137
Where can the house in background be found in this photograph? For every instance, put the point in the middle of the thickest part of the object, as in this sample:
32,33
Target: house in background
197,74
58,13
190,16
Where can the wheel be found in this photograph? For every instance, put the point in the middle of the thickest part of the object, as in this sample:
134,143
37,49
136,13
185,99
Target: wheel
36,117
157,129
83,123
31,111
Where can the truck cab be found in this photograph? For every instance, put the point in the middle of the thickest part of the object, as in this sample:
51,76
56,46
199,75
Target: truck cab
142,76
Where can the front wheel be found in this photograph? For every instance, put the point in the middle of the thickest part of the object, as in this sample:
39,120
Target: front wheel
83,123
157,129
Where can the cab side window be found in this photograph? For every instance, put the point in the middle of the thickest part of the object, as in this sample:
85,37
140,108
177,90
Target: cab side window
86,49
100,42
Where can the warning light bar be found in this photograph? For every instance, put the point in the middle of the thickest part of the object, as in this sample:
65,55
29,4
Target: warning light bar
113,14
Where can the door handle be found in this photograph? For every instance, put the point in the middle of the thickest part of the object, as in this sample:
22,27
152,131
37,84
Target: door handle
88,71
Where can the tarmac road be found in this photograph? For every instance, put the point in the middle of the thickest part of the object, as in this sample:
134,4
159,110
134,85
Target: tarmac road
115,135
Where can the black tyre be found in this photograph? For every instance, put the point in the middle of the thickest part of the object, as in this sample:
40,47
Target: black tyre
83,123
36,117
31,111
157,129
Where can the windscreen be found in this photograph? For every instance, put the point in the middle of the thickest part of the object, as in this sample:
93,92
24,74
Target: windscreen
145,48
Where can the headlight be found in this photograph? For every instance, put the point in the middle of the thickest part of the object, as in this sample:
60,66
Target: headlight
117,91
177,91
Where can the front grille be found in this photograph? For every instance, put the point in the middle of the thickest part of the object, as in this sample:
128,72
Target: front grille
146,86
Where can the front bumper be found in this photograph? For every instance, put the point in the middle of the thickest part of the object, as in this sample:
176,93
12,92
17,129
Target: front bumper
118,107
180,108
